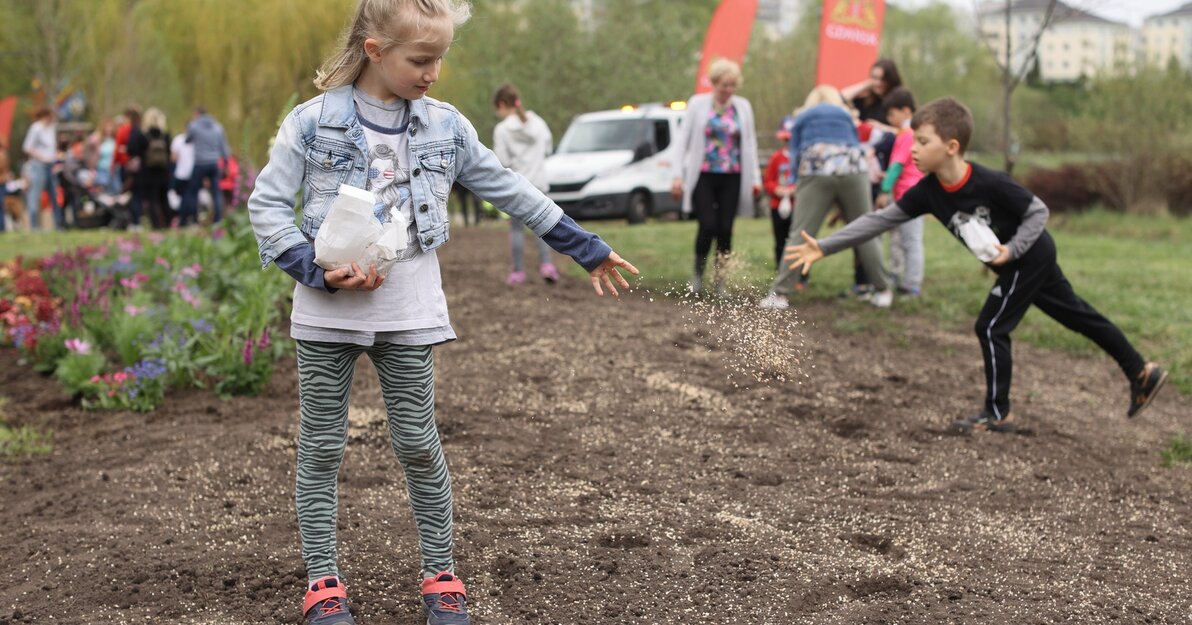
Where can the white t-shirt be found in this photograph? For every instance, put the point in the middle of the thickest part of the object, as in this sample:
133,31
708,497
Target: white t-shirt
40,142
185,153
409,308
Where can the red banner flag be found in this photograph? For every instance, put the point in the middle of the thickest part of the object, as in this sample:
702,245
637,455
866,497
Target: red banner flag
727,37
8,107
850,33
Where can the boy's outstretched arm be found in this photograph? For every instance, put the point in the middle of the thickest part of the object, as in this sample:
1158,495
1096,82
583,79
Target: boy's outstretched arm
804,255
608,271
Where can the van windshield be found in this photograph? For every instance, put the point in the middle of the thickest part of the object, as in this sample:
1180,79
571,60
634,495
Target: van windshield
603,135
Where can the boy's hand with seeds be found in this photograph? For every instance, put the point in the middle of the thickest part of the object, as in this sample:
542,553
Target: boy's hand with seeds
806,254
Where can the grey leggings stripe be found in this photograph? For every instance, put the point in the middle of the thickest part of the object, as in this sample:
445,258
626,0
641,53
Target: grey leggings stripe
407,383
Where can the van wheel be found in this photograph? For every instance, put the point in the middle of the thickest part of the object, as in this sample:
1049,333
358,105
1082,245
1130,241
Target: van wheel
639,207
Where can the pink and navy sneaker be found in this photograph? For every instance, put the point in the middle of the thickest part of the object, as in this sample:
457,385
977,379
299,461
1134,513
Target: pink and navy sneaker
549,272
515,278
445,600
326,603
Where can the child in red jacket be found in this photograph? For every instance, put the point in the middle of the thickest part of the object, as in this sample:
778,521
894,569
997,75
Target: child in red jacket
782,193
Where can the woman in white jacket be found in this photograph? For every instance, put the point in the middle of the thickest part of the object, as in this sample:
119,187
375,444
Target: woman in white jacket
522,142
715,169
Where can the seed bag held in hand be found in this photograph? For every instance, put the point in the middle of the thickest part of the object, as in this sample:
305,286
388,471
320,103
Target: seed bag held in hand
980,239
351,233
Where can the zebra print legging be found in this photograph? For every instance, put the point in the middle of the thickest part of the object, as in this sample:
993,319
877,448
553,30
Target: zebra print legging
408,386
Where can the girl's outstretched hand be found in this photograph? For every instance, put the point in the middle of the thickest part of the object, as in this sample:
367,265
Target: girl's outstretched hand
607,272
806,254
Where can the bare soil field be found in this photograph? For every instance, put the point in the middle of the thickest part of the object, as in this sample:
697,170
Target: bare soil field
622,462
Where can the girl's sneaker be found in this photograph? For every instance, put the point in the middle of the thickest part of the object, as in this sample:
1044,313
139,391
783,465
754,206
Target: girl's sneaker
326,603
549,272
515,278
445,600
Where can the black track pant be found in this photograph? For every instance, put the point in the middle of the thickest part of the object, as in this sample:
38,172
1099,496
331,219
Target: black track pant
714,202
1037,279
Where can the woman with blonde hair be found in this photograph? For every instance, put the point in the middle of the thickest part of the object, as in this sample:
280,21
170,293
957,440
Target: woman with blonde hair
828,168
715,168
151,147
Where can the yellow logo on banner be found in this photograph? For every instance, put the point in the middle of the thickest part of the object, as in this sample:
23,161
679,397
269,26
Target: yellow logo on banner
860,13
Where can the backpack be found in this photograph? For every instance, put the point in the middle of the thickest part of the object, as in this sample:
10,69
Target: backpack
157,155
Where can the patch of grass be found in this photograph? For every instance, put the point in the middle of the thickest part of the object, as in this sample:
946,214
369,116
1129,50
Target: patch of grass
21,441
1178,452
1135,270
48,242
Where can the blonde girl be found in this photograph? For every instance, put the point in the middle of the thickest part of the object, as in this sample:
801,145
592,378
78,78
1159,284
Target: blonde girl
373,127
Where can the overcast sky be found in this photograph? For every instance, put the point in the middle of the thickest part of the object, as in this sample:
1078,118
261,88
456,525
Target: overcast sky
1129,11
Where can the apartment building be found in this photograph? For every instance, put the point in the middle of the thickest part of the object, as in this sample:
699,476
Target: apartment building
1169,36
1075,43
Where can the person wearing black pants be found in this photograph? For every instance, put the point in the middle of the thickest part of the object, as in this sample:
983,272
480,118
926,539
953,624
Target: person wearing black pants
714,203
1004,225
715,165
1037,279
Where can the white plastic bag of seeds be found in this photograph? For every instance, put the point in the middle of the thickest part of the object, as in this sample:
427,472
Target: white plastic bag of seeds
351,233
980,239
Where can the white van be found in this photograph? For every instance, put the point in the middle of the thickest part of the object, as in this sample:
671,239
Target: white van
617,163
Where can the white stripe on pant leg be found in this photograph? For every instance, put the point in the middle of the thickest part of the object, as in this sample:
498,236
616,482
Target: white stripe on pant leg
992,353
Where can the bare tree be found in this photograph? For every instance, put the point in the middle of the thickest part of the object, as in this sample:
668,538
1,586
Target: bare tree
1013,76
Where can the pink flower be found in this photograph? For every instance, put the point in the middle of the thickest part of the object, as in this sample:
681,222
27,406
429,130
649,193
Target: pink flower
127,246
156,237
248,350
78,346
163,262
192,271
125,258
263,342
129,309
95,379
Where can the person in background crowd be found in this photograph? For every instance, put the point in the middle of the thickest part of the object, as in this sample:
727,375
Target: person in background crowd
781,190
41,146
152,147
829,167
522,141
906,240
105,156
230,168
715,169
211,145
182,154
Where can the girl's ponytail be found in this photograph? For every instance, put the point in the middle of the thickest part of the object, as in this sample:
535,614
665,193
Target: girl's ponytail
507,95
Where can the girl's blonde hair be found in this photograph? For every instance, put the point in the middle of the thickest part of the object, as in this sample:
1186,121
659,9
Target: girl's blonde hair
391,22
723,68
153,118
825,94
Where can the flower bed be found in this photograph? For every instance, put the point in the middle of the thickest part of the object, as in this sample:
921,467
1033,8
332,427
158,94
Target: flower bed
121,325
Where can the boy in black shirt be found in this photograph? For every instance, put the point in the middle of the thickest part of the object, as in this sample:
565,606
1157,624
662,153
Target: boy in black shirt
1004,226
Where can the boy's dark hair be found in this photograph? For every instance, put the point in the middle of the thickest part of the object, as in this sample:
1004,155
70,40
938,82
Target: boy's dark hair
950,118
900,98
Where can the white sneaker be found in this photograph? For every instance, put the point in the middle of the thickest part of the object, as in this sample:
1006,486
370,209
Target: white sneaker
774,301
882,299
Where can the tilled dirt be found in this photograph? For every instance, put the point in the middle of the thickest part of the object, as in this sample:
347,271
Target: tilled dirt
628,462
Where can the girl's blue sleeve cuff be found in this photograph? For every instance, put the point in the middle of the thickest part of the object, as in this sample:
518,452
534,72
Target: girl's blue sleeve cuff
299,262
586,248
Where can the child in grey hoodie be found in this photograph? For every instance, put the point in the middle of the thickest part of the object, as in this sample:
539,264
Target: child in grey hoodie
522,142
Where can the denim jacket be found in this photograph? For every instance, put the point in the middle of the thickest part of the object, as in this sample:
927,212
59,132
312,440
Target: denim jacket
823,125
321,145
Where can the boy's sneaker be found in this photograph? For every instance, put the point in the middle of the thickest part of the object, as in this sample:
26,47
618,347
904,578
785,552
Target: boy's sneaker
905,293
549,272
984,420
860,291
515,278
445,600
774,301
326,603
1145,387
882,299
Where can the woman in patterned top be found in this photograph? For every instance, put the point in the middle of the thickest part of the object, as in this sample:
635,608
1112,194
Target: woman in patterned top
715,168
